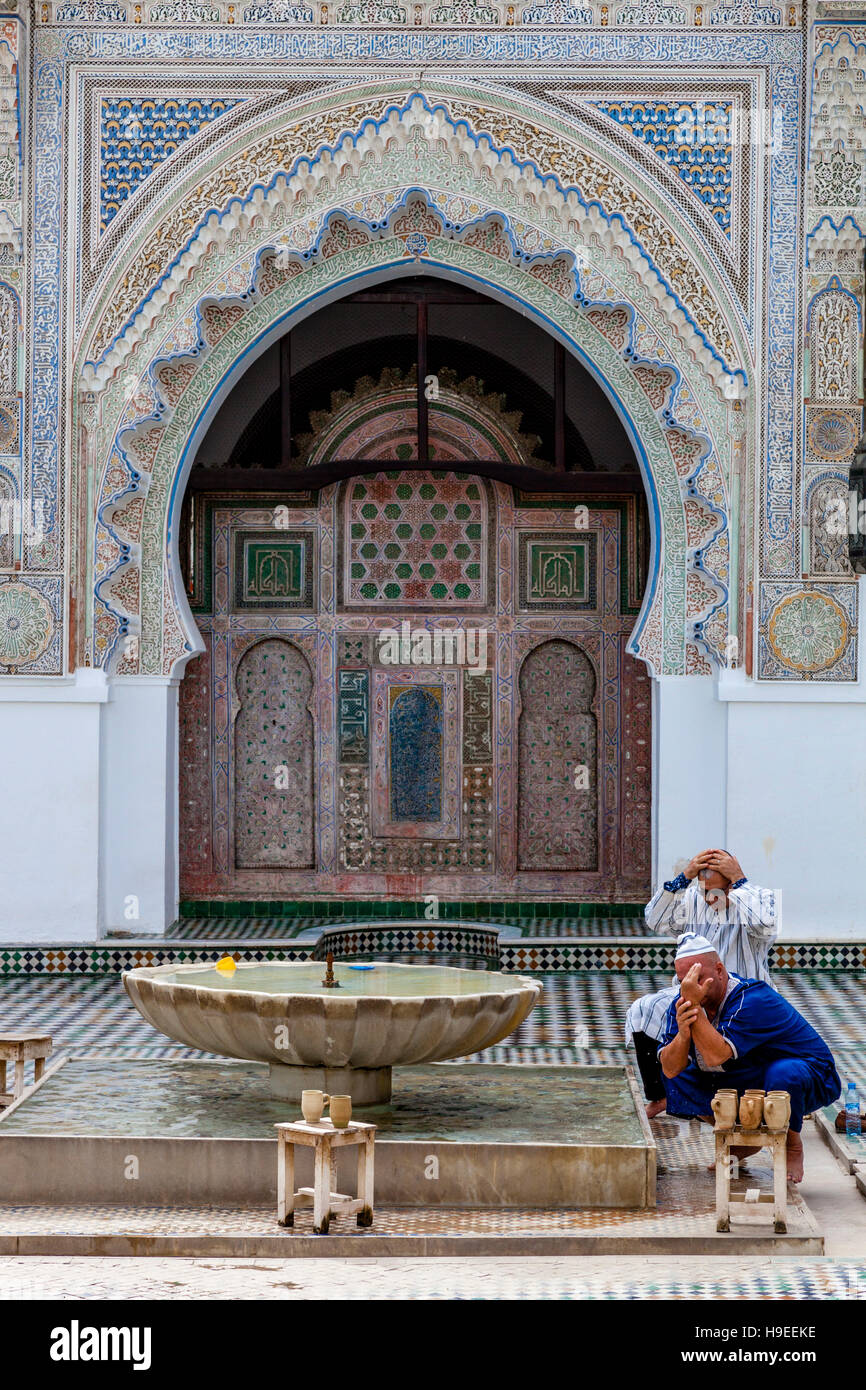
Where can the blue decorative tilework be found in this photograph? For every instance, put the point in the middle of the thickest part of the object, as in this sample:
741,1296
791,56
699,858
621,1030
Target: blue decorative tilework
694,138
137,135
416,753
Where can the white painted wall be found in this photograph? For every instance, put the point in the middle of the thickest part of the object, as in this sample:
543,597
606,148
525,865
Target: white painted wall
796,803
49,811
88,819
138,796
797,808
775,772
689,771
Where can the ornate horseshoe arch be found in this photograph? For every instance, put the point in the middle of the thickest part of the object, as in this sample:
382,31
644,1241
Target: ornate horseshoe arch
403,182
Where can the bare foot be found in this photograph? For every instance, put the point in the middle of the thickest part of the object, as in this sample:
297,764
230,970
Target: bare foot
739,1151
795,1156
745,1150
656,1107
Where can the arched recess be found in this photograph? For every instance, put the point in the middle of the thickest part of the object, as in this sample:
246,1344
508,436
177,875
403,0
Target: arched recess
558,782
273,793
672,362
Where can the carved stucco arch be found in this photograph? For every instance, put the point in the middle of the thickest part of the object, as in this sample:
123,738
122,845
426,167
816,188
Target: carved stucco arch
143,407
145,474
564,174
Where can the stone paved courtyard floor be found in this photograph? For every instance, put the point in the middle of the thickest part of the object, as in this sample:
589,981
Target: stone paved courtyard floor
579,1021
385,1280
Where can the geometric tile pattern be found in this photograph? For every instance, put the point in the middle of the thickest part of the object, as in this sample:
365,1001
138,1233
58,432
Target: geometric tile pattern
416,539
136,136
429,938
829,1001
610,948
489,909
808,633
693,138
111,960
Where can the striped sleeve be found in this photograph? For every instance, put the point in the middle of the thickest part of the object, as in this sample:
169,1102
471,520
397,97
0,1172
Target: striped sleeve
667,910
757,910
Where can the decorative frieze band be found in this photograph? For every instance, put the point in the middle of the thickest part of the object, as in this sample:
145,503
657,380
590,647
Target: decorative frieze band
627,14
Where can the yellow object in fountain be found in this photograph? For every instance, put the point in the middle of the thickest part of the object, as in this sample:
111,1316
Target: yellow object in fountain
227,965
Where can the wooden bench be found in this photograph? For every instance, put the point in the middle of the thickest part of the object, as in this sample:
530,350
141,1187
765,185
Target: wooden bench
20,1048
324,1138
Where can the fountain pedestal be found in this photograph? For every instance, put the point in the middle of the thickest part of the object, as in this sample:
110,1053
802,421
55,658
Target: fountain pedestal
366,1085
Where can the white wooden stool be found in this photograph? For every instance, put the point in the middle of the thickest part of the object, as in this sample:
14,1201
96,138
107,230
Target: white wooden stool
324,1138
762,1137
20,1048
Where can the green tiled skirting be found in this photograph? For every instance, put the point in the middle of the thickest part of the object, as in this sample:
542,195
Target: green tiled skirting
361,910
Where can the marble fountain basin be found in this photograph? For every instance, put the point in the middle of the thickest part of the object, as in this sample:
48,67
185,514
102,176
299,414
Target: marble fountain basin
345,1040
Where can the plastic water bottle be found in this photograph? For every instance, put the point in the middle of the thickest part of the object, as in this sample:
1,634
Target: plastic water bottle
852,1112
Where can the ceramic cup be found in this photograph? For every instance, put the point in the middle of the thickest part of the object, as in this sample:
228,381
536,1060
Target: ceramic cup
724,1105
312,1105
341,1111
751,1110
777,1110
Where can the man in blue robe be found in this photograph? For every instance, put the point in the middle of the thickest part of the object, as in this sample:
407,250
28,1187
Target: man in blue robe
728,1032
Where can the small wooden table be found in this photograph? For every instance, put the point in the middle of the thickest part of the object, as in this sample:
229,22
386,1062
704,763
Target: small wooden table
324,1138
20,1048
777,1140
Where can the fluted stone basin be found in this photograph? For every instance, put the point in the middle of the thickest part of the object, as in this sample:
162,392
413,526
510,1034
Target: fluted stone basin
344,1040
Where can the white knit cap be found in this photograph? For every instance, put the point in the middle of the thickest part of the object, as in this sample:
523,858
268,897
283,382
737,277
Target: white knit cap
690,944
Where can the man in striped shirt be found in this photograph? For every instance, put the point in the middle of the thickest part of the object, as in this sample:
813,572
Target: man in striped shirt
712,897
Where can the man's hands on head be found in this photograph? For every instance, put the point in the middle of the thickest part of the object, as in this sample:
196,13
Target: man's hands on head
691,990
725,864
717,859
699,862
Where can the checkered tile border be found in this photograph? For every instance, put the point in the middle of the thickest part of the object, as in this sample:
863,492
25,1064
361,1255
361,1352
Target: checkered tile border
531,955
466,941
111,960
659,955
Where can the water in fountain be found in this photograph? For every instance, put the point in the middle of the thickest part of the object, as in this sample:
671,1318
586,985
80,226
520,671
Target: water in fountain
306,978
